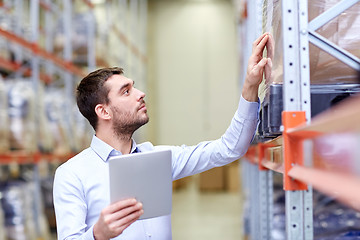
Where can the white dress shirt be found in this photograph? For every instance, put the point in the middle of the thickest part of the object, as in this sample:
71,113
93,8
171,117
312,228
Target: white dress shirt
81,185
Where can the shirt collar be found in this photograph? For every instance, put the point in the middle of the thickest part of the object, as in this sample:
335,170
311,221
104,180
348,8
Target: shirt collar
103,150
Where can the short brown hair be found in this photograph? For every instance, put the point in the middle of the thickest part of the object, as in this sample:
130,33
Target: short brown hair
91,92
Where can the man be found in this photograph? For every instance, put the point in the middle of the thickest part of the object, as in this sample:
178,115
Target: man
116,109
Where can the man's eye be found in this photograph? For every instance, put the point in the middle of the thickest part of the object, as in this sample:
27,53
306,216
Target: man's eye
126,91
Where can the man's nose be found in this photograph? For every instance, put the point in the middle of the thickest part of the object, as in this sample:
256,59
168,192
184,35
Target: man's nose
141,94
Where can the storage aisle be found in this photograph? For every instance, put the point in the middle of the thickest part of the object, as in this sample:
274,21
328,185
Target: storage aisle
199,215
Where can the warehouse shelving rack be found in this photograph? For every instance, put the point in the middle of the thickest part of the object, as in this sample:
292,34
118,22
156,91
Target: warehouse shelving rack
31,39
31,53
292,153
130,34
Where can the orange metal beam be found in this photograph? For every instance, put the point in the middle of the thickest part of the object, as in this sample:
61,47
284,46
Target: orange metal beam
22,157
342,186
293,149
261,154
251,154
273,166
67,66
12,66
8,65
344,117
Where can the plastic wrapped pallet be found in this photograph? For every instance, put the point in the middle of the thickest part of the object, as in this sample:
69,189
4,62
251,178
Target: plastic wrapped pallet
342,31
24,217
2,223
82,131
4,120
45,137
21,103
79,37
19,222
54,107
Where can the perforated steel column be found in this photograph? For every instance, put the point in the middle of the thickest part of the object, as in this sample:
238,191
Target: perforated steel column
296,97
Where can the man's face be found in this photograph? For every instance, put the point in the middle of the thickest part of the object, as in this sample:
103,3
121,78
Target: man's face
127,105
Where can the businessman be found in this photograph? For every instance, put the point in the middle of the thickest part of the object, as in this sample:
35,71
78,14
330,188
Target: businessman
116,109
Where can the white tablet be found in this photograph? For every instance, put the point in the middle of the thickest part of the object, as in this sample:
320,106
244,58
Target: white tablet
145,176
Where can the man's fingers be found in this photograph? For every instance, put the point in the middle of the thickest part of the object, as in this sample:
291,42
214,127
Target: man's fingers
124,222
261,64
258,68
256,42
268,69
115,207
270,46
259,48
114,223
123,213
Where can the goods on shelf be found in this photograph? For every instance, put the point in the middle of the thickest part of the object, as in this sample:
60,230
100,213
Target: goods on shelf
47,190
331,219
21,110
45,138
24,217
4,122
342,31
331,80
40,58
55,105
82,131
2,224
79,37
323,97
327,163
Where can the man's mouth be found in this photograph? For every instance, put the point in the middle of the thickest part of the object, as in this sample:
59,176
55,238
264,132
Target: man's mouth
142,106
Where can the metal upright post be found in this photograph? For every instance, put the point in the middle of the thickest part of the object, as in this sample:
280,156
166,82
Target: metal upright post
261,196
67,19
133,38
265,186
143,41
246,180
265,196
49,37
19,18
296,98
91,56
255,202
35,68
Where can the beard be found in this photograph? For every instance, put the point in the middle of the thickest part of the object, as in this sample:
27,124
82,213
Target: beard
126,123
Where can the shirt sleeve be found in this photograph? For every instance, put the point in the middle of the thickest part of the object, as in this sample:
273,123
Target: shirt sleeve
189,160
70,206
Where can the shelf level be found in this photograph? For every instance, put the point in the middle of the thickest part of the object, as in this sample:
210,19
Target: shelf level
38,51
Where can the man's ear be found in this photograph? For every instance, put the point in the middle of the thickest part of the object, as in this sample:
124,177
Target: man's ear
102,111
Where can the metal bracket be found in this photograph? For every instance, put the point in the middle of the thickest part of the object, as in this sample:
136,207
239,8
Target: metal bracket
293,149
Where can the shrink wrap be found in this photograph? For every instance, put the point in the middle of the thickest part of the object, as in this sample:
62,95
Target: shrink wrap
324,69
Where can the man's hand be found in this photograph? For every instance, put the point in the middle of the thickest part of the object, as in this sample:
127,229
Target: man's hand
255,69
116,217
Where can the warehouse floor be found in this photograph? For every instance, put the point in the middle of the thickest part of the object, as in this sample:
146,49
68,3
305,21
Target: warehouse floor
206,215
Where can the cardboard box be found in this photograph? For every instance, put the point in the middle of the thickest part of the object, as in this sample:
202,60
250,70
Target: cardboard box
232,177
212,180
181,183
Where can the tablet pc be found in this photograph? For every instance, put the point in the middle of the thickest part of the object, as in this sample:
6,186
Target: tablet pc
144,176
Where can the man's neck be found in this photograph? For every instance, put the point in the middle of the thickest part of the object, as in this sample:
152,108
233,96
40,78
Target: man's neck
121,143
